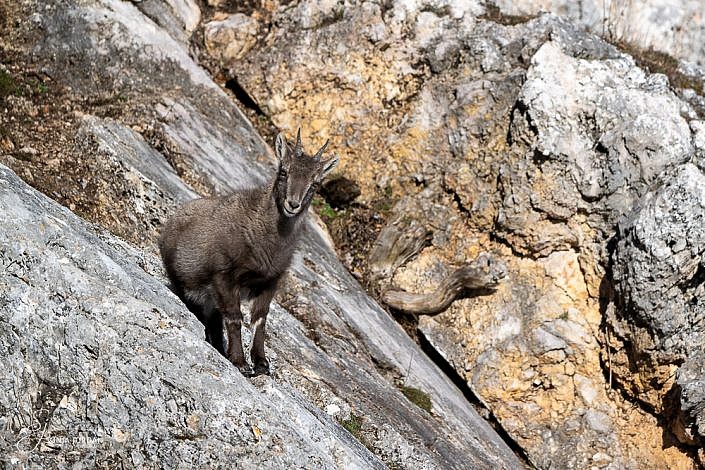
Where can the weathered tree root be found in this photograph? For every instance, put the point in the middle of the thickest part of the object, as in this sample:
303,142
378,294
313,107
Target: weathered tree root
484,273
402,239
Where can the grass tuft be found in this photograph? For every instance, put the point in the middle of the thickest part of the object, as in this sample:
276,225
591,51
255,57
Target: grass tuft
660,62
417,397
324,209
354,426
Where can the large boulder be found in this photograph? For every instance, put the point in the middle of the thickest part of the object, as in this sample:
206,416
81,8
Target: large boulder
658,267
601,131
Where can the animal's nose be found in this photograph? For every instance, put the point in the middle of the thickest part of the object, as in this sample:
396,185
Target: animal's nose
294,204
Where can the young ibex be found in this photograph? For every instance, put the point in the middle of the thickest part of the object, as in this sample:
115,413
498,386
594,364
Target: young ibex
216,249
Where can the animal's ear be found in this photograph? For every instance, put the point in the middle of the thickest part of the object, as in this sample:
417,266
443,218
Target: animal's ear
280,147
327,166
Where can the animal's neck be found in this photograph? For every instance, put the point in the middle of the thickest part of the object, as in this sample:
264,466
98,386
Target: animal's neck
288,226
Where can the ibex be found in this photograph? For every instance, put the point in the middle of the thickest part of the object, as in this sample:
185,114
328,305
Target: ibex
219,249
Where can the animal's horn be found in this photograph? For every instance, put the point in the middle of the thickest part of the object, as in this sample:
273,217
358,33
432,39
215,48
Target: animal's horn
298,149
319,154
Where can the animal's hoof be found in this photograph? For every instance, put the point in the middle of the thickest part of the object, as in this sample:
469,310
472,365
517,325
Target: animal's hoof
262,368
246,370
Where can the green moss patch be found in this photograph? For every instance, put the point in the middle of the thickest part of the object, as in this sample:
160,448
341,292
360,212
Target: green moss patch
417,397
8,86
354,426
324,209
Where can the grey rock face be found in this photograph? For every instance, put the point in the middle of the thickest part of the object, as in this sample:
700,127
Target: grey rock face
178,17
439,90
331,346
658,274
691,382
673,27
102,364
658,266
601,132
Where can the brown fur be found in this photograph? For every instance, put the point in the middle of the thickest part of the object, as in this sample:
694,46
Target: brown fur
217,249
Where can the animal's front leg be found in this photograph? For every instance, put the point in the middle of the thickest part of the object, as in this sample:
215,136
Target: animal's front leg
228,296
260,309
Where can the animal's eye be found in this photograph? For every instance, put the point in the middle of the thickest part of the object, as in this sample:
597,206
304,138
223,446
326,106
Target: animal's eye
282,173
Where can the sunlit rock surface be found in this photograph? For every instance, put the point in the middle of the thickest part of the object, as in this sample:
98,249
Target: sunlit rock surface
104,366
673,27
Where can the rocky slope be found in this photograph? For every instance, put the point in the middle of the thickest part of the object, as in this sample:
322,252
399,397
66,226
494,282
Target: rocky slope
465,131
103,366
105,111
470,131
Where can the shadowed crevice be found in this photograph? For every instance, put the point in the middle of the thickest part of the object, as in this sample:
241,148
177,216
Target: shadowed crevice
243,97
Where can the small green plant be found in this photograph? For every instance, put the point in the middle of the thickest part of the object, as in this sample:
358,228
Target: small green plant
354,425
417,397
383,205
324,209
42,88
8,86
327,211
388,191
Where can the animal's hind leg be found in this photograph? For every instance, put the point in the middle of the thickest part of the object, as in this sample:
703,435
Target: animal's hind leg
214,330
202,307
260,309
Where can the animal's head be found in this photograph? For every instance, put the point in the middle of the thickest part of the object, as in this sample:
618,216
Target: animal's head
299,175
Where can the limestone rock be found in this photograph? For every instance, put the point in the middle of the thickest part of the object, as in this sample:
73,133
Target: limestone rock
179,17
102,364
672,27
691,383
533,138
600,138
658,274
231,38
529,139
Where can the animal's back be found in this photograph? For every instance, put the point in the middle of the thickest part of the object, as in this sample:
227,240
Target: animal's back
200,237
